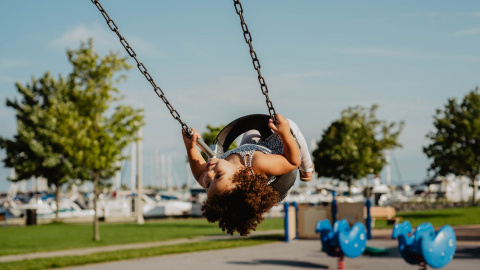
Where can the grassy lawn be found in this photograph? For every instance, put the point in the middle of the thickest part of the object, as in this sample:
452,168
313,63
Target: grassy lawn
58,236
57,262
438,217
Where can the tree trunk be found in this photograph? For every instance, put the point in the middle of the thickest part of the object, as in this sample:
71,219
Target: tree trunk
57,200
96,233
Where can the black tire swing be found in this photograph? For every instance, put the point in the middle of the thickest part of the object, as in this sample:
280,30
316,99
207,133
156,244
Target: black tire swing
229,133
258,122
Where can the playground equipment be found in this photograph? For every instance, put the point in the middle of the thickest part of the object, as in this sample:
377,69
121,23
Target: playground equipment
424,246
290,221
307,215
341,240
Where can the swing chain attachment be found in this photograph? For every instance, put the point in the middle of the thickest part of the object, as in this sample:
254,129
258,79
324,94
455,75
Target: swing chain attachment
201,143
141,67
256,62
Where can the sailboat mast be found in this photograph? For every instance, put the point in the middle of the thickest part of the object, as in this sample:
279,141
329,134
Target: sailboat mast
138,204
388,170
134,166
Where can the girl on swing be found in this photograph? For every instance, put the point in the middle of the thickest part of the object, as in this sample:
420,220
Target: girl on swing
238,183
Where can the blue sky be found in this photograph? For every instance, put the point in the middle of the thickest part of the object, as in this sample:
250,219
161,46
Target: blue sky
318,58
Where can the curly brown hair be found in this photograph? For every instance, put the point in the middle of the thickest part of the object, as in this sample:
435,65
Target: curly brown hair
241,208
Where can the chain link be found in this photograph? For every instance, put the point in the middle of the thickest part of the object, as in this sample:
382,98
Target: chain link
141,67
248,39
255,61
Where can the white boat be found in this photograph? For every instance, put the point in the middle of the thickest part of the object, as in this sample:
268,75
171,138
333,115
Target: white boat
114,207
451,188
123,205
161,207
46,208
67,209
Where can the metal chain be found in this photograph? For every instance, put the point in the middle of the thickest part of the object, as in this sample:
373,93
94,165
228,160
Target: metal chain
256,62
158,90
142,68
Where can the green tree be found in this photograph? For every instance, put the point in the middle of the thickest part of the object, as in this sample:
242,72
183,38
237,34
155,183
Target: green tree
352,147
455,144
210,136
37,150
97,132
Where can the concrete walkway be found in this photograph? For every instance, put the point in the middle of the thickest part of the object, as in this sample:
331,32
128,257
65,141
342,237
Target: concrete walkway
298,254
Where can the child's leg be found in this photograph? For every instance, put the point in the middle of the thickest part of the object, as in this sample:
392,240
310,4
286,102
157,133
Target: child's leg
250,135
306,165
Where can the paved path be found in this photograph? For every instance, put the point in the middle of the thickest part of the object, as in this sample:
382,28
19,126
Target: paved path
298,254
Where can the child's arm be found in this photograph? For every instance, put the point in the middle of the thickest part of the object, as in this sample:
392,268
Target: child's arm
195,158
279,164
290,146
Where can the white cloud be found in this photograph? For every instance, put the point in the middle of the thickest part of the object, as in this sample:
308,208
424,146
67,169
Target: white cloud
476,14
80,33
7,79
8,63
395,53
141,46
310,74
432,14
372,51
103,38
468,32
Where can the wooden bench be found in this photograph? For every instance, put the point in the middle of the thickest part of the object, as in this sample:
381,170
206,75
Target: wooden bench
383,213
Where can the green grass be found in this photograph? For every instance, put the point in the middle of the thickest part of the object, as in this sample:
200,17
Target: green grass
59,236
438,217
56,262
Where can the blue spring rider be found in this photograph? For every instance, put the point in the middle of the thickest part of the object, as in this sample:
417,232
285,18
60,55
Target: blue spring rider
341,240
425,247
